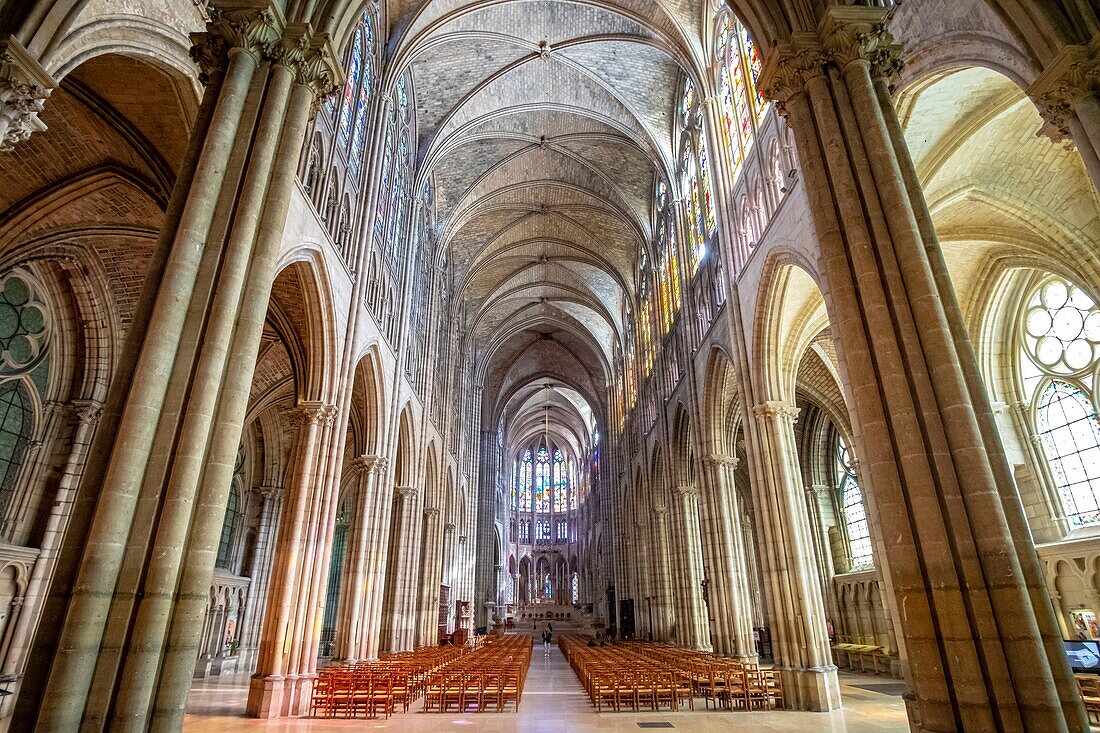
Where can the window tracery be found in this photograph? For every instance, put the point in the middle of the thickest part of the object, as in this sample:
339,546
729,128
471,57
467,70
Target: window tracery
855,511
1060,371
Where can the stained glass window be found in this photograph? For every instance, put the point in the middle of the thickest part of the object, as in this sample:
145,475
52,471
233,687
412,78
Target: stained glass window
15,423
739,93
355,68
542,480
525,482
525,531
1060,364
561,483
232,509
855,513
542,530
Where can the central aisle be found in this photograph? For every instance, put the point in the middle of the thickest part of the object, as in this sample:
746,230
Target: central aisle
553,702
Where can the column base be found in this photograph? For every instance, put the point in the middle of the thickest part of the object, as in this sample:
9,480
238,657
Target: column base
816,689
265,696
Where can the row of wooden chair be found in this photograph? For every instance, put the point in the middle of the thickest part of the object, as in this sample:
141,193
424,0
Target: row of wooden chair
488,678
639,675
383,685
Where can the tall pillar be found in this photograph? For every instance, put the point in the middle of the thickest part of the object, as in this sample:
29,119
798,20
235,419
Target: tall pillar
273,687
817,496
353,574
800,640
406,560
975,617
664,618
431,565
132,630
260,574
377,557
695,624
728,570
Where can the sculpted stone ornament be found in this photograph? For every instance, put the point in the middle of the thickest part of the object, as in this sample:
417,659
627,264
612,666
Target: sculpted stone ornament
790,66
1073,75
24,88
250,26
855,33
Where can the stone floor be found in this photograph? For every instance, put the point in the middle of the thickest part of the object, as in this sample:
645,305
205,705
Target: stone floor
554,702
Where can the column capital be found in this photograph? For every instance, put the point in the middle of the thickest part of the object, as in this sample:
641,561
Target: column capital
407,492
717,459
88,412
270,491
431,512
24,88
779,409
790,66
854,33
249,26
660,509
1070,77
462,539
688,491
448,528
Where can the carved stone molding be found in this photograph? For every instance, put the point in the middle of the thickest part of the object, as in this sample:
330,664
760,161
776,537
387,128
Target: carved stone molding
776,409
688,491
855,33
270,492
790,66
1073,75
249,26
431,512
24,88
719,460
448,528
88,412
407,493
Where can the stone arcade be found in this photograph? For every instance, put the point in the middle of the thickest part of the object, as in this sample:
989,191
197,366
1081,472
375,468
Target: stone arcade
334,329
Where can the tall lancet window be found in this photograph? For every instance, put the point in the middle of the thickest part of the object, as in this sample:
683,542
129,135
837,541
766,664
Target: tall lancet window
542,481
1060,368
561,483
524,482
855,512
738,65
695,175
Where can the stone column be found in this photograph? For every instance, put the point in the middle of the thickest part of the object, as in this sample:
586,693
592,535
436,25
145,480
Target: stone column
183,413
354,571
376,559
976,620
24,88
800,640
695,624
269,691
730,585
818,495
406,549
664,617
88,414
449,570
260,573
431,566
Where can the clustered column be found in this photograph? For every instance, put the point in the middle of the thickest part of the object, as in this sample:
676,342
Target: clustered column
126,649
977,624
729,589
800,638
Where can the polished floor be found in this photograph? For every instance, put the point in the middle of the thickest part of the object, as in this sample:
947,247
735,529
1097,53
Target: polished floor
554,702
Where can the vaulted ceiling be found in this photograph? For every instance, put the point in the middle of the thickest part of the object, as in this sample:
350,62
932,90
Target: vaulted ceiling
544,126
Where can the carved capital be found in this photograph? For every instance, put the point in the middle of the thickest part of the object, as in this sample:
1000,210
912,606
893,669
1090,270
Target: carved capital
718,460
88,412
448,528
254,27
407,493
790,66
855,33
310,413
660,510
24,88
431,512
777,410
688,491
320,68
1073,75
462,539
270,492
